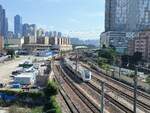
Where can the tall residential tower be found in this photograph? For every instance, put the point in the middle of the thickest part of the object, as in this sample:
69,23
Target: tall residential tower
124,17
18,26
127,15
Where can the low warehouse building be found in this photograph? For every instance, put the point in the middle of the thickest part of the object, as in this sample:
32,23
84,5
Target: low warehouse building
25,78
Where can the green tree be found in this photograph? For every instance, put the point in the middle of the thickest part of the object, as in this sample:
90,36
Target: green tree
113,47
51,89
104,46
102,61
108,54
52,106
131,61
125,60
137,57
148,80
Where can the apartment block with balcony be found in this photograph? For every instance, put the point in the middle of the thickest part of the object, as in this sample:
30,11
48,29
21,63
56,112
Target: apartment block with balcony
61,43
141,43
43,40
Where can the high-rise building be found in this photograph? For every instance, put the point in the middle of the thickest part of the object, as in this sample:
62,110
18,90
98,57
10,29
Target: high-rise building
54,33
43,40
127,15
15,43
141,43
29,30
33,30
30,40
59,34
109,15
29,33
114,38
3,22
6,28
40,32
116,15
25,30
124,16
10,34
47,33
1,43
1,16
62,43
18,26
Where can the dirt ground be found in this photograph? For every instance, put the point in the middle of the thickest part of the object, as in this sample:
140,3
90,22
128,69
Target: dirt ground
7,68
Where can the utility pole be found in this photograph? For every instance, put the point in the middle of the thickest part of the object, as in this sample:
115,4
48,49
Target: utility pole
135,89
119,72
77,60
120,69
102,97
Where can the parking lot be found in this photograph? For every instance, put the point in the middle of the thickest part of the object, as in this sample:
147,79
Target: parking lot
7,67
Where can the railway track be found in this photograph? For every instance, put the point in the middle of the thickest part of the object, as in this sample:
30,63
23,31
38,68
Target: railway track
69,103
116,103
93,108
127,87
71,106
109,98
142,105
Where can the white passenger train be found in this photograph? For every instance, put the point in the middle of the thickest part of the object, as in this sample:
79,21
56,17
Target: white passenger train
82,72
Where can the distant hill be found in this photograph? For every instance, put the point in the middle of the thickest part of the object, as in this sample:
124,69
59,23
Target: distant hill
92,42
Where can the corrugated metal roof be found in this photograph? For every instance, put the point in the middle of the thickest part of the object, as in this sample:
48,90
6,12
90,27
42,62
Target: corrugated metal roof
25,75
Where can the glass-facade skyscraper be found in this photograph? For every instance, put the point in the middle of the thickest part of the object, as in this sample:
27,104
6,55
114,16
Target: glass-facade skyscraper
6,28
18,26
127,15
144,14
3,23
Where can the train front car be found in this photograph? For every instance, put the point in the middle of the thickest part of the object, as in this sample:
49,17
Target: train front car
82,73
87,75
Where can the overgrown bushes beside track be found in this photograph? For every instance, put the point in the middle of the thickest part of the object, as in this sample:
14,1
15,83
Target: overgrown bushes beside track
44,100
51,105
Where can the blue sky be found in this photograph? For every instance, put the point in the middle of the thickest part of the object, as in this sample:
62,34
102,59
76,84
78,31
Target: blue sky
78,18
